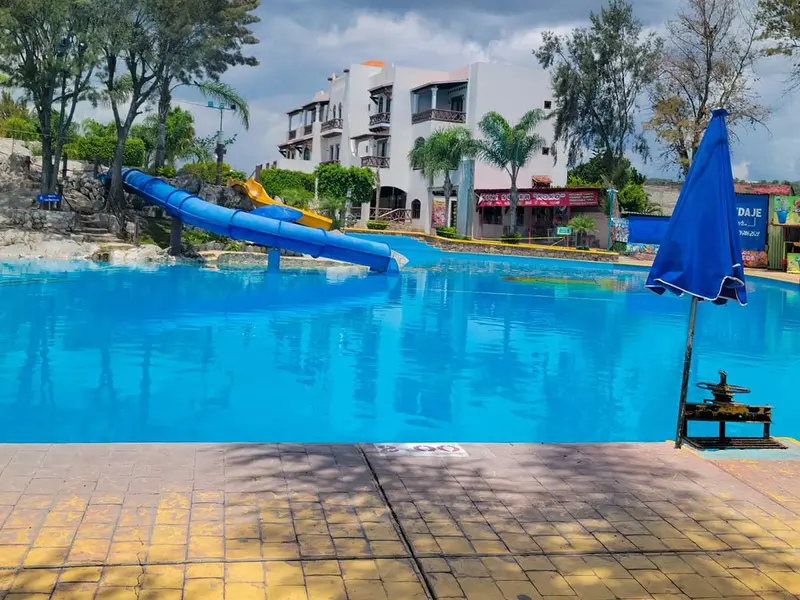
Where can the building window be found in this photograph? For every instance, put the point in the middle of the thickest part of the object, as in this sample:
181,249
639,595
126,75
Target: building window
334,111
520,216
545,151
330,153
306,154
548,104
382,150
415,208
493,215
457,104
380,104
337,151
341,114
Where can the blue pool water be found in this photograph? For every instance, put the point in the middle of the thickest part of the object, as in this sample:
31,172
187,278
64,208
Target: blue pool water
447,351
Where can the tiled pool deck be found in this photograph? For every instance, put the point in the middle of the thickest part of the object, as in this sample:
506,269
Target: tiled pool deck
269,522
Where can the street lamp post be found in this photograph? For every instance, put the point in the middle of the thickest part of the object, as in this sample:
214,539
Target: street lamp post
220,149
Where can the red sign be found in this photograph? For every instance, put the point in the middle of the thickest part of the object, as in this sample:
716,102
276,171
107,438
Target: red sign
541,198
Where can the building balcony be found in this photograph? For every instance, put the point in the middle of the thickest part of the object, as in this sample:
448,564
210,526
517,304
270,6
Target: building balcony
376,162
331,127
439,114
380,120
292,134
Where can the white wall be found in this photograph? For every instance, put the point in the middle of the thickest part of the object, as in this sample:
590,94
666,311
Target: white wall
512,91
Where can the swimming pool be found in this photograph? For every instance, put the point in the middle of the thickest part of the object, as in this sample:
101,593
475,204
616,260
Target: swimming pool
457,348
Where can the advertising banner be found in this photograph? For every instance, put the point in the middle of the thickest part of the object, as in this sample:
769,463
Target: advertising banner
751,213
786,211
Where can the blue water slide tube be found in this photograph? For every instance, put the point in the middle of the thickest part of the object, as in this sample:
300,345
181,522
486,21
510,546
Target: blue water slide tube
256,228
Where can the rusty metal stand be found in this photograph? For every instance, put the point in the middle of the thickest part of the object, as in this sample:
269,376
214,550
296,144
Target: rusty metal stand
687,363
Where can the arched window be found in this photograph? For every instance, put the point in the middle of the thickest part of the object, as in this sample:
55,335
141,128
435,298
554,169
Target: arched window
415,208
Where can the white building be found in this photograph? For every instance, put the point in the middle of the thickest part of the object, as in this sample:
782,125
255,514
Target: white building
372,114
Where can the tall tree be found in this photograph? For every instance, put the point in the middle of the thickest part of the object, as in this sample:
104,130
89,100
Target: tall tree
708,63
598,75
441,154
780,22
509,147
201,60
48,50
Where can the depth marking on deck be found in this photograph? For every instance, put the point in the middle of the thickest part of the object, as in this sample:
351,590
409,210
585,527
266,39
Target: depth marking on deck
436,449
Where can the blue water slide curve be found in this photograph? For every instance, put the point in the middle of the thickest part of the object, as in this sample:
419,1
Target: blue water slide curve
246,226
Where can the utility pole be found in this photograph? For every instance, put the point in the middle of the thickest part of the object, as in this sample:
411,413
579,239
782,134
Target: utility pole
220,149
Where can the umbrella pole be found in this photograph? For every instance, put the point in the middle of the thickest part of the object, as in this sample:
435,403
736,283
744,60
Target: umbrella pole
687,362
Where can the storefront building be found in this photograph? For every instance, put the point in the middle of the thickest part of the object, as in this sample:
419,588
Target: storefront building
540,212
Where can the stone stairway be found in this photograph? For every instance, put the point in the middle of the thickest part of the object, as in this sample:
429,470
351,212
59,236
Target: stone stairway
92,230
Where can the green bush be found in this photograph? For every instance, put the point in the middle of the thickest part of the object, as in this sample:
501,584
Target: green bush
168,172
446,232
511,238
377,225
207,171
296,197
103,148
276,181
619,247
18,128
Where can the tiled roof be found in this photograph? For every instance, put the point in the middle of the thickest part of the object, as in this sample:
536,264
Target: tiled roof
769,189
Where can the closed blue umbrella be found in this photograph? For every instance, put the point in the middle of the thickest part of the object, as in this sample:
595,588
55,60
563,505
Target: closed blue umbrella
700,253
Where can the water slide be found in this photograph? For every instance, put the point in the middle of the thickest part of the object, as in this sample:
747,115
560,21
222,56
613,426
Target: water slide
259,197
273,226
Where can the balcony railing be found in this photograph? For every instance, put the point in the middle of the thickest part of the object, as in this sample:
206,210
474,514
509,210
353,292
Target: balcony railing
308,129
334,161
331,126
377,162
439,114
391,215
383,118
292,134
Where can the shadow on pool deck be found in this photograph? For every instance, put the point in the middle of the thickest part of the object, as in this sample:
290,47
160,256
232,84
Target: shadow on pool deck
308,521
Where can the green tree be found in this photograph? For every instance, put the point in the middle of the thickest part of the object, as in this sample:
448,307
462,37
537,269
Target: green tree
509,148
215,91
593,172
48,50
634,198
275,181
13,107
199,60
598,74
19,128
780,20
297,197
582,225
144,40
336,183
441,154
710,53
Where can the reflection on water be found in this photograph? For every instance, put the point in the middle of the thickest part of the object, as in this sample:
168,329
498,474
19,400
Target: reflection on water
471,350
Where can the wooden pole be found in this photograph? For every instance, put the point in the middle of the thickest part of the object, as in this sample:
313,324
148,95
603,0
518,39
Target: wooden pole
687,363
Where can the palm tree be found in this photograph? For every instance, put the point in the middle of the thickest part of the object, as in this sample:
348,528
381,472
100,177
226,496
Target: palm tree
441,154
211,90
510,148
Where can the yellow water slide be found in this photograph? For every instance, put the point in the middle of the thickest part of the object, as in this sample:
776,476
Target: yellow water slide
259,197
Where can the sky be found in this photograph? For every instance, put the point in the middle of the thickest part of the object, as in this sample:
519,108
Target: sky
303,41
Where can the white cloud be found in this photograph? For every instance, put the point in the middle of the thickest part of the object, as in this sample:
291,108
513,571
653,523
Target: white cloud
741,170
297,55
